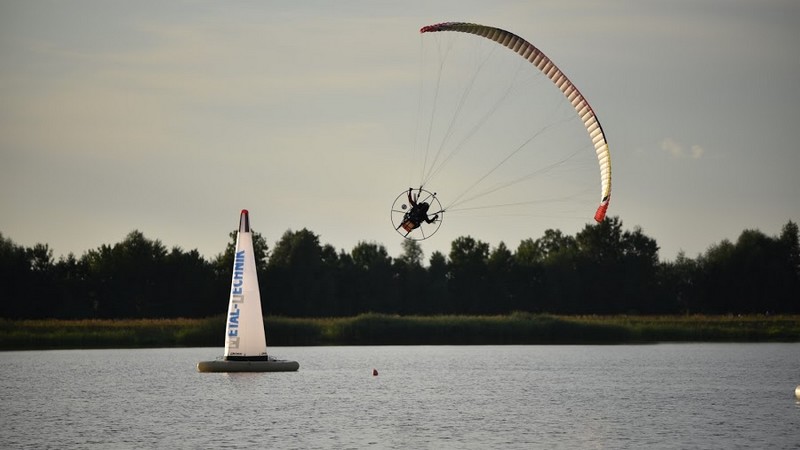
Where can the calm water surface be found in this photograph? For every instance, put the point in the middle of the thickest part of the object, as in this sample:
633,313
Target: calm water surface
648,396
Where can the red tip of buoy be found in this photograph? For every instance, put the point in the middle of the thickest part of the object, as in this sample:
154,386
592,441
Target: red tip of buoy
374,372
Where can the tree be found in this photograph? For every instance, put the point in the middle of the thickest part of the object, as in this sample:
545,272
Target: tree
294,269
603,269
616,269
554,244
601,242
412,253
757,274
71,276
468,275
712,285
126,278
500,267
677,281
528,253
637,274
41,292
790,241
378,290
15,278
190,287
41,258
436,299
528,278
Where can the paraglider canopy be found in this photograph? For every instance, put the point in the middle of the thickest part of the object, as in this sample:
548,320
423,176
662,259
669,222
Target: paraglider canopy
570,91
501,110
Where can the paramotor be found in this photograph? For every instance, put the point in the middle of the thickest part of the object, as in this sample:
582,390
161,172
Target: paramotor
403,214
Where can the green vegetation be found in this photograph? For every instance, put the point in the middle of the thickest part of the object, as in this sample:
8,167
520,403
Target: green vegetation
602,270
382,329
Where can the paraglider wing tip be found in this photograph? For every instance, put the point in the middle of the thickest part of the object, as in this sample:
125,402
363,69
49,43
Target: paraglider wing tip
434,27
600,215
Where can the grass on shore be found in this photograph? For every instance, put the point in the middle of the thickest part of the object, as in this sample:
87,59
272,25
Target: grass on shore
384,329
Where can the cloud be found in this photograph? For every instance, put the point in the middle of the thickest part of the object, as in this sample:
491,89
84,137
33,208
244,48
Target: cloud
679,151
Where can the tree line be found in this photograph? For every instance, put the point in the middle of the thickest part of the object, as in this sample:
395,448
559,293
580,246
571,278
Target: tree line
603,269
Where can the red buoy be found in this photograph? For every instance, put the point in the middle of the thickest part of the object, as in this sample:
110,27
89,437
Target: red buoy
374,372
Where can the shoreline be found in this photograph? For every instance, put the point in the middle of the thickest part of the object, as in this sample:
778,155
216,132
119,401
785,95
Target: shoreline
386,329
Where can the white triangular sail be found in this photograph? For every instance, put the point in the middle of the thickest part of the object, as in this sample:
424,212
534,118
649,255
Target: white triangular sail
244,334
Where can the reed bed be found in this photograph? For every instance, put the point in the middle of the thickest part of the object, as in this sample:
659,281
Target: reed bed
385,329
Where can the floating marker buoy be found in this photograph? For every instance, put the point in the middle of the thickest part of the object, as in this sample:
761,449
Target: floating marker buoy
375,374
797,392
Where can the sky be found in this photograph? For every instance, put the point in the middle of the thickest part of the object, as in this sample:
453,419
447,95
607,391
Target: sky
170,117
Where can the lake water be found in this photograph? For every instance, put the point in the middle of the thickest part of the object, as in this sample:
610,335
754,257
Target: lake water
629,396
